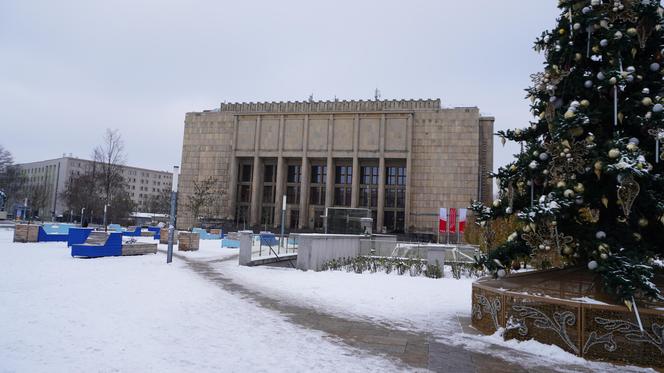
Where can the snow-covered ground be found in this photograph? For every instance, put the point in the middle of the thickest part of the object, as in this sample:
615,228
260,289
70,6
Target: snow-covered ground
137,314
436,306
413,303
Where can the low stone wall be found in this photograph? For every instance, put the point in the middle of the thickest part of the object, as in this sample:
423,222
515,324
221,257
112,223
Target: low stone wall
602,332
316,249
163,236
188,241
26,233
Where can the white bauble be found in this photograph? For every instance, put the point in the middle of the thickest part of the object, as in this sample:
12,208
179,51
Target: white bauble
600,235
631,69
604,43
613,80
647,101
501,273
577,26
595,2
618,35
588,84
646,91
654,66
632,147
604,256
568,193
592,265
601,76
614,153
657,108
533,165
544,156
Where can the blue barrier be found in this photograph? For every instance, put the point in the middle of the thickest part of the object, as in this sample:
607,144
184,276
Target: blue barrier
135,233
115,228
268,238
112,247
204,235
156,231
230,244
53,233
78,236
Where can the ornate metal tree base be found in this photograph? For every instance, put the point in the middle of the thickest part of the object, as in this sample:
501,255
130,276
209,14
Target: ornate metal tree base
549,306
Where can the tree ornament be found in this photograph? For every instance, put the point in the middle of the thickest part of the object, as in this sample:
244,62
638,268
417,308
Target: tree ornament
592,265
657,108
643,222
600,235
654,67
501,273
658,134
589,215
647,101
628,190
542,239
614,153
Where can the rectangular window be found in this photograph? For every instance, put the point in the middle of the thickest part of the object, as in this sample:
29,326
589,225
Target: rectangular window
294,174
245,174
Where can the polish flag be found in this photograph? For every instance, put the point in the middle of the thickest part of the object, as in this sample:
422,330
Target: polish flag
442,221
453,220
462,220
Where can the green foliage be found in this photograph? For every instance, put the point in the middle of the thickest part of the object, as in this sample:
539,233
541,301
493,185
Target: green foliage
579,157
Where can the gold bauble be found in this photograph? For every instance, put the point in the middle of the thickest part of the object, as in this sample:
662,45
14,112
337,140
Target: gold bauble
562,31
569,114
643,222
579,188
561,184
585,103
631,31
632,147
647,101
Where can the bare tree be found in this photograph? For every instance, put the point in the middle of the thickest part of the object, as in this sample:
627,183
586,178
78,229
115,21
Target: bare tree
109,157
159,203
6,159
201,197
12,180
38,196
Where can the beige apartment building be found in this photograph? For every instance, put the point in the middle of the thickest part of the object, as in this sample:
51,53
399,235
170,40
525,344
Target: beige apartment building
55,173
402,159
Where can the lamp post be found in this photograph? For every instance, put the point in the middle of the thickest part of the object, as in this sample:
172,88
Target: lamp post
171,226
105,206
283,217
82,211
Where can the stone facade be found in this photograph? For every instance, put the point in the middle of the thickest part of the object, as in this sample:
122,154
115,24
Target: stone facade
404,159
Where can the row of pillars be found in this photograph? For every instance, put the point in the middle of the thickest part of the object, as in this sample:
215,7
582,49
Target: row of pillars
305,187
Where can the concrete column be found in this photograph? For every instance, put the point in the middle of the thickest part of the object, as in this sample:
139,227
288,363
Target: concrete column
305,184
329,184
256,192
380,212
409,149
279,190
232,188
355,191
245,247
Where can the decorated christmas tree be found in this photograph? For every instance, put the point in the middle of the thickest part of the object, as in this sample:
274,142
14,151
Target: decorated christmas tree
588,185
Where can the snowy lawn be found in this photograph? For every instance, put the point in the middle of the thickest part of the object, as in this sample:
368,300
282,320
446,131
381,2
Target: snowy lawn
412,303
136,314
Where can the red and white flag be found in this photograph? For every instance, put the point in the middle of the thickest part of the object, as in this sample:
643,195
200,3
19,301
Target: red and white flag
453,220
442,220
462,220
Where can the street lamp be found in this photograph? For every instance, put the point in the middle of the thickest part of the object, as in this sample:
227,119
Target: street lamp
105,206
283,217
82,211
171,226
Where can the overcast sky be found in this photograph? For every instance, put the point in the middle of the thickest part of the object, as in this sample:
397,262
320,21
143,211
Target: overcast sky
71,69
